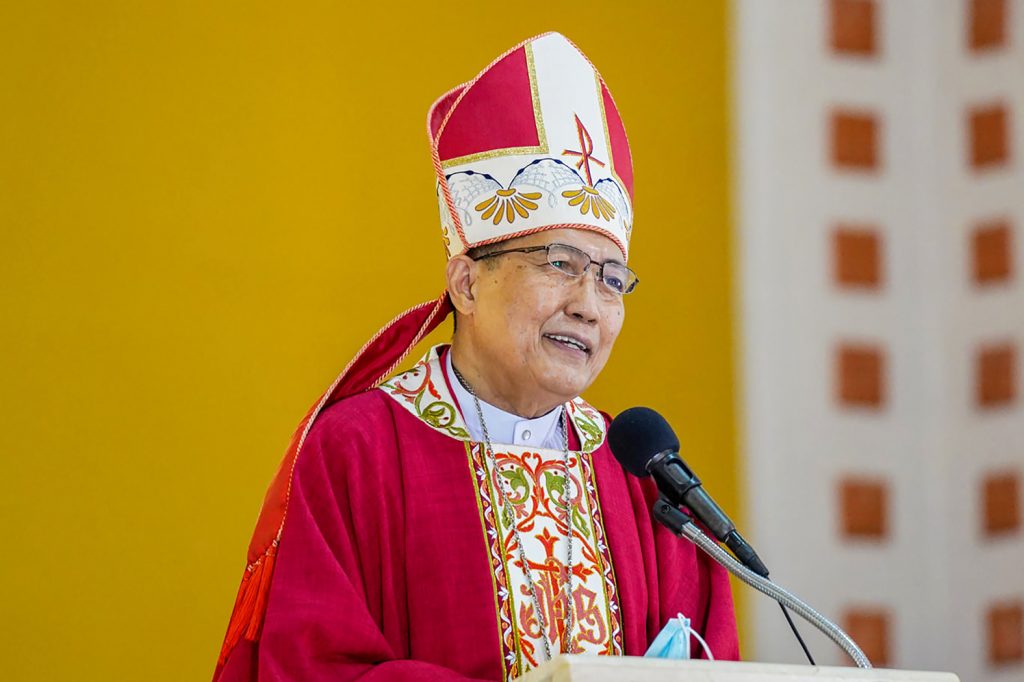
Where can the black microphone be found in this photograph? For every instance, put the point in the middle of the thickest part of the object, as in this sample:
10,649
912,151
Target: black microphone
645,444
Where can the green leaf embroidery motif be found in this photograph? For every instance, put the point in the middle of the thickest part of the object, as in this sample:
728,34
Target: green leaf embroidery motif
517,479
555,484
441,415
590,429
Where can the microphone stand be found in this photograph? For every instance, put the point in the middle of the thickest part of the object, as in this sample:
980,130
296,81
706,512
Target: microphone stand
681,525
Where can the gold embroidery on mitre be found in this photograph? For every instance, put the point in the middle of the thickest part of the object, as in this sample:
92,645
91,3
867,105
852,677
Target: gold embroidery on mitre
589,200
507,204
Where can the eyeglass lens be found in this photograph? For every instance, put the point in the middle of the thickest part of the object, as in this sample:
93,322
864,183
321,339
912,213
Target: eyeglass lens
574,262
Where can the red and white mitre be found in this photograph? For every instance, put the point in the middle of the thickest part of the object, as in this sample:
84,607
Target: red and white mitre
534,142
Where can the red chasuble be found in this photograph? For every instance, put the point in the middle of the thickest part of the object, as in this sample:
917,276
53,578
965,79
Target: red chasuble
386,566
378,551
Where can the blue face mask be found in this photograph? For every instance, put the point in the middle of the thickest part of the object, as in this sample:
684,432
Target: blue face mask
674,641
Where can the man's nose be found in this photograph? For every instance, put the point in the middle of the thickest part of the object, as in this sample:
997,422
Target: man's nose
584,304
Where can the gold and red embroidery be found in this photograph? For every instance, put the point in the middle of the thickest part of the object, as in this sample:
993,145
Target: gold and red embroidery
586,198
540,495
415,391
585,153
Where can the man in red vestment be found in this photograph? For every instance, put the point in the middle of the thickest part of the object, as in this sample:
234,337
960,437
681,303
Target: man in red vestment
465,519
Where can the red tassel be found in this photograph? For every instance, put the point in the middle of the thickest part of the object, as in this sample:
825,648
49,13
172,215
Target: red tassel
252,632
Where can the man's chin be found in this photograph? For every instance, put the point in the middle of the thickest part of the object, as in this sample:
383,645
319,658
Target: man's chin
567,389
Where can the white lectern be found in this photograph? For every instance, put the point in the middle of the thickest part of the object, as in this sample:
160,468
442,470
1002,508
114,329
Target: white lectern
636,669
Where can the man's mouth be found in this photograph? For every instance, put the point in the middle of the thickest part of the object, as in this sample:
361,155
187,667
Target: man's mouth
569,342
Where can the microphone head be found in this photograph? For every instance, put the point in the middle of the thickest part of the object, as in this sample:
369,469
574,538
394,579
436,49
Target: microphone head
637,435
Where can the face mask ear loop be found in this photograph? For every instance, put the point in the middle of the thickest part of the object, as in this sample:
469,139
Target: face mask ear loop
684,633
703,644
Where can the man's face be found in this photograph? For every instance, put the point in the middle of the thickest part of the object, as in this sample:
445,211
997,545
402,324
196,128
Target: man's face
531,318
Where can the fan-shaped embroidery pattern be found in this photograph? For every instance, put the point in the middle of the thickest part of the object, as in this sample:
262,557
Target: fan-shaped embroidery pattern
611,191
549,175
467,189
508,204
589,200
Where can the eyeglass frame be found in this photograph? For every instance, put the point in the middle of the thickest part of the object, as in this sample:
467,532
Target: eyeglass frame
546,248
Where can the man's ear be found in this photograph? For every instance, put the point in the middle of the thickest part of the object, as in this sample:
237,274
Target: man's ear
461,278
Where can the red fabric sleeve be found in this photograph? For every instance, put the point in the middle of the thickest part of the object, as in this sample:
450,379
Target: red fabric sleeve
708,594
336,608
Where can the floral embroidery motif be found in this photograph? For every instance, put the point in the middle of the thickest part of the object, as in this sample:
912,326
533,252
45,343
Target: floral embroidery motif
589,424
423,391
506,204
415,389
540,495
589,200
499,569
536,187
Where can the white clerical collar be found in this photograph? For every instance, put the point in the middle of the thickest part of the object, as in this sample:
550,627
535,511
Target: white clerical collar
504,427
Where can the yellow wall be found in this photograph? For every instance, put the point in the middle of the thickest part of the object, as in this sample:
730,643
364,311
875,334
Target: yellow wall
205,208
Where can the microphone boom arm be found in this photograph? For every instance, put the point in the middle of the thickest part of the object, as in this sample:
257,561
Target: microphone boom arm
681,524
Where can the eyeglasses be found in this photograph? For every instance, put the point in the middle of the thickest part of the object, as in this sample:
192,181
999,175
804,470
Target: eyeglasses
616,277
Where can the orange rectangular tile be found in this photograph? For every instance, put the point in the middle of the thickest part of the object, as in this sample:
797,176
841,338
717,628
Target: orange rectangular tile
996,375
860,375
986,24
1001,499
852,27
857,255
855,140
869,628
992,252
864,508
989,136
1006,633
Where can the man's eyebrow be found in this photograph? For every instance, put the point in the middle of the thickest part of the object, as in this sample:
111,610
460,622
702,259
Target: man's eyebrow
587,253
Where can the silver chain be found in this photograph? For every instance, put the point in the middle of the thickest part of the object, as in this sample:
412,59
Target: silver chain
506,504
